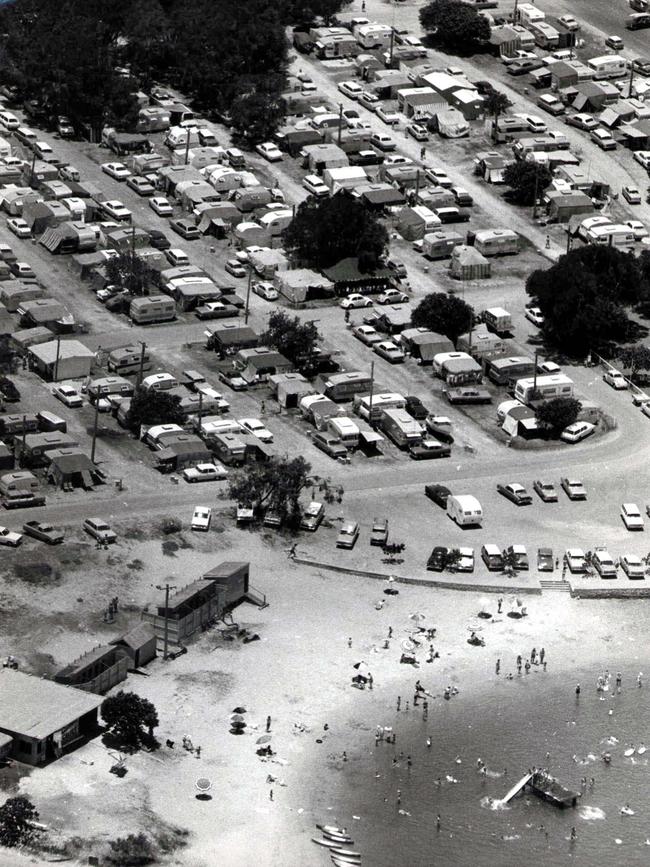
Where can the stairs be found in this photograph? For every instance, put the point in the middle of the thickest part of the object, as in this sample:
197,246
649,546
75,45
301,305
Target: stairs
556,586
255,597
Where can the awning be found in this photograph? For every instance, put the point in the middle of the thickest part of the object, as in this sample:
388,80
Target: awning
370,437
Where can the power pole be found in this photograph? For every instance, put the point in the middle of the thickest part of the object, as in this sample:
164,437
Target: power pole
200,410
372,391
167,588
535,375
392,44
187,146
92,450
141,368
338,138
248,292
417,185
56,361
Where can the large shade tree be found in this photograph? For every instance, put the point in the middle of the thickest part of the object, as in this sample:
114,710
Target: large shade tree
444,314
454,26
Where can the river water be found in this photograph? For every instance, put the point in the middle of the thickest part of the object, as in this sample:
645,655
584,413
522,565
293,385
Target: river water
512,726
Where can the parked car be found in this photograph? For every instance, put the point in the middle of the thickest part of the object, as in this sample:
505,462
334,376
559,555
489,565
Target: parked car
9,538
492,557
379,532
631,515
367,334
467,394
177,257
312,516
235,268
201,518
633,566
330,444
642,158
577,431
438,493
429,449
516,493
117,171
519,557
415,408
348,535
117,210
233,379
388,115
161,206
382,141
214,310
64,127
417,131
575,560
615,42
19,227
141,186
603,138
314,185
581,120
570,22
524,65
255,426
185,228
517,55
99,530
158,239
603,562
545,560
639,230
438,177
351,89
392,296
265,290
67,395
355,300
205,473
641,65
615,379
573,488
437,559
545,490
548,367
269,151
631,194
44,532
22,270
461,197
465,560
534,315
389,351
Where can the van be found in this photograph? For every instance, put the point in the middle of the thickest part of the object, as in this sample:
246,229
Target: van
638,21
346,430
465,510
155,308
177,257
492,557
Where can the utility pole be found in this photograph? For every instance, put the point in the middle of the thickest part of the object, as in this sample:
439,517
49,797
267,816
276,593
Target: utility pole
200,410
471,329
392,44
338,138
515,13
372,391
569,240
56,361
535,192
22,447
535,375
141,368
187,146
248,292
629,95
166,588
92,450
417,185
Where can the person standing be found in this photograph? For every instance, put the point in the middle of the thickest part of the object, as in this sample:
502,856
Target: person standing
268,723
542,654
498,666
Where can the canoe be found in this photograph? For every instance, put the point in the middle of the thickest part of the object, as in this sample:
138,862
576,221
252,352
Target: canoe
641,750
339,862
326,843
338,838
349,853
629,752
343,860
332,829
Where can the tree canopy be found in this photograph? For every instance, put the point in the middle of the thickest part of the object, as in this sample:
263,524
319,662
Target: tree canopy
132,851
130,271
444,314
527,181
324,231
454,26
130,720
16,816
275,484
292,338
154,407
583,298
495,103
634,359
556,414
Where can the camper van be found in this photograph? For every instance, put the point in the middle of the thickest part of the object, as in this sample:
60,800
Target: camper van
555,141
607,66
159,382
21,481
545,36
156,435
465,510
503,371
179,136
543,388
614,235
127,360
229,448
109,385
401,428
343,386
380,402
155,308
496,242
498,320
346,430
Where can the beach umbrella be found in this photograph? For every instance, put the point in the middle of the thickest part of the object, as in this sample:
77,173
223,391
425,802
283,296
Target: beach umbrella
362,668
263,740
203,784
239,709
417,616
237,717
484,604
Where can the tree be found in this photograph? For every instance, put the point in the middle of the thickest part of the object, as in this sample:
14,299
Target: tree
583,297
454,26
257,114
130,271
132,851
634,359
444,314
527,181
130,720
292,338
509,563
557,414
496,103
16,817
154,407
275,484
451,559
306,11
324,231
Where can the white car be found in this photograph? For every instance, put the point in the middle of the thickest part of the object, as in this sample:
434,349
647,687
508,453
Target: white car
141,185
8,120
201,518
389,351
269,151
519,54
438,177
205,473
633,566
533,122
397,160
235,268
549,368
631,515
19,227
643,158
569,22
534,315
577,431
615,379
266,291
355,300
255,426
161,206
367,334
351,89
8,537
382,141
369,100
575,560
388,115
640,231
116,209
117,171
314,185
466,561
67,395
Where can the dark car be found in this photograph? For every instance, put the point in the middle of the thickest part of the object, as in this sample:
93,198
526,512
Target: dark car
485,88
120,303
429,449
379,534
437,559
641,65
516,493
329,444
214,310
8,390
545,560
43,531
438,493
158,239
64,127
186,229
415,408
467,394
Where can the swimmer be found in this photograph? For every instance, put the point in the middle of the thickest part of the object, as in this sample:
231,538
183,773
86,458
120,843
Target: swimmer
429,743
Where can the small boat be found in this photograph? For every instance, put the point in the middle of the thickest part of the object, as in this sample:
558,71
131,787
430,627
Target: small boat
342,859
332,829
641,750
627,811
342,839
629,752
326,843
348,852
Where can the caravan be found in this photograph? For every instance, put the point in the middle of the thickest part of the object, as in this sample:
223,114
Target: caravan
543,388
465,510
372,408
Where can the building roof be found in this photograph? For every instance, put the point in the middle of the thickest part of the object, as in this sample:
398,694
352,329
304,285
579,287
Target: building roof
348,270
225,569
46,352
137,637
36,707
68,461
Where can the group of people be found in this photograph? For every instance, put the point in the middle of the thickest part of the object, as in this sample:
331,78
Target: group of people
534,659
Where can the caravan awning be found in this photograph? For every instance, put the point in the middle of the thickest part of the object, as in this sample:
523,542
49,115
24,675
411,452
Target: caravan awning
370,437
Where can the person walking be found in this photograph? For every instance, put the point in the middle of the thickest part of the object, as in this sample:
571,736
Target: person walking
527,667
533,655
498,666
370,680
542,654
399,702
499,604
390,631
268,723
578,689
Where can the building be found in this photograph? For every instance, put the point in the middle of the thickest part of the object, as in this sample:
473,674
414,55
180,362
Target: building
70,468
98,670
44,719
301,284
187,611
65,359
347,278
259,362
562,206
233,578
139,644
230,336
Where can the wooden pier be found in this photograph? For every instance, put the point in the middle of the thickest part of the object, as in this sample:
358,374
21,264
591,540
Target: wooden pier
549,789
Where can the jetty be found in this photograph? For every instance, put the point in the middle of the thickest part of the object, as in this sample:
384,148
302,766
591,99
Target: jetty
549,789
516,788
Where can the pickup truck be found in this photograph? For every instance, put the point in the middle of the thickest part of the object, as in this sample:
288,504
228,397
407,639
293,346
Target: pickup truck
44,532
467,394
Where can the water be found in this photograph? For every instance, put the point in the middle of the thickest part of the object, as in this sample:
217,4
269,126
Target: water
512,726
